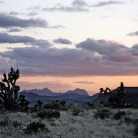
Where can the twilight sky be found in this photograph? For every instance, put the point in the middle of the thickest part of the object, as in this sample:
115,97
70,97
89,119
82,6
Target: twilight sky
63,45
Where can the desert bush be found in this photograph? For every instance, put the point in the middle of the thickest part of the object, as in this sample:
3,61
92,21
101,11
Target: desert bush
56,114
135,121
69,105
4,122
35,127
136,130
75,112
16,124
3,110
42,114
102,114
128,120
63,103
54,105
48,114
119,115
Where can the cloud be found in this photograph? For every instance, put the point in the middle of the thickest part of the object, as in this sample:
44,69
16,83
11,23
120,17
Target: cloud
66,9
90,57
79,3
85,82
33,13
15,13
52,85
62,41
37,7
102,46
1,1
7,21
56,27
134,50
109,50
76,6
100,4
6,38
13,29
133,34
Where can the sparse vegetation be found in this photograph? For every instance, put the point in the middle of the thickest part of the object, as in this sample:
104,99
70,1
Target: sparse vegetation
4,122
119,115
94,121
16,124
102,114
35,127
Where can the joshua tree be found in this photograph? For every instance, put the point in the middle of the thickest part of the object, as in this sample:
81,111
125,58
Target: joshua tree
9,89
104,91
118,99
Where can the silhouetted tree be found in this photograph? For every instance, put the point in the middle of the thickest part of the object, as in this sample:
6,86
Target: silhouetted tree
118,99
104,91
9,90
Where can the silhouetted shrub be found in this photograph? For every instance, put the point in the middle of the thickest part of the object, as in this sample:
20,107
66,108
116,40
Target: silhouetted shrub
102,114
63,103
56,114
128,120
3,110
54,105
135,121
119,115
4,122
136,130
48,114
42,114
16,124
75,112
35,127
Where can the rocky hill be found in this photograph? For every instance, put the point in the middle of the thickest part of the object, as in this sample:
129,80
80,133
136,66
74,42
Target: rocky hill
132,98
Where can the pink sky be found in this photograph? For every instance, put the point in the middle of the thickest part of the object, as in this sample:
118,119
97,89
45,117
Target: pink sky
64,45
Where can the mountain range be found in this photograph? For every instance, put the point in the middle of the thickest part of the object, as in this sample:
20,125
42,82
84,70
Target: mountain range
47,92
46,95
77,95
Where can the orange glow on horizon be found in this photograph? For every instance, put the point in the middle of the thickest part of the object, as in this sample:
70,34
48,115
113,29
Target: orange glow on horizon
99,81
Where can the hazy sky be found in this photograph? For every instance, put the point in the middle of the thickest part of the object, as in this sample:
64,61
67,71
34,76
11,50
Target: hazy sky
63,45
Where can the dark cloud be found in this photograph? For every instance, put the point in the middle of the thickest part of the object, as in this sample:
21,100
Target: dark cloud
109,50
100,4
13,29
7,21
134,50
102,46
62,41
91,57
85,82
76,6
1,2
133,34
6,38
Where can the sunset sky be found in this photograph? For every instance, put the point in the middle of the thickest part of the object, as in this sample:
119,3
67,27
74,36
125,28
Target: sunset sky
69,44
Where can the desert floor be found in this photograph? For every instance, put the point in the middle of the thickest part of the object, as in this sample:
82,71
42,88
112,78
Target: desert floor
89,123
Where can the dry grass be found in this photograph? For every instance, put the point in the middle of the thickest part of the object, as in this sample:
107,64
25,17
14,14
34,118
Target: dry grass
83,125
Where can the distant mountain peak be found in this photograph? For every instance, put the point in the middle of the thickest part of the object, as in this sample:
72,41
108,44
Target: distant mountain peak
47,92
78,91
